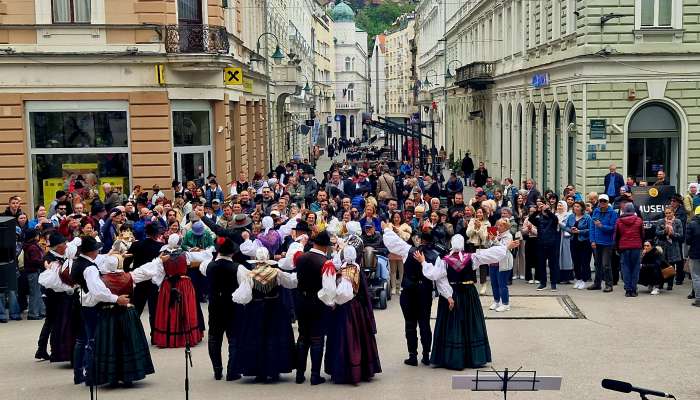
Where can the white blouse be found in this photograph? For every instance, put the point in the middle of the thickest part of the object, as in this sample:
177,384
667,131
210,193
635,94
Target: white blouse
244,293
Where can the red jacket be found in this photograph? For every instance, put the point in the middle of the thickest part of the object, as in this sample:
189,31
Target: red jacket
629,232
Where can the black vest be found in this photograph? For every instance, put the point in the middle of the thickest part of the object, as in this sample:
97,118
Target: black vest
413,271
79,266
50,257
223,281
308,269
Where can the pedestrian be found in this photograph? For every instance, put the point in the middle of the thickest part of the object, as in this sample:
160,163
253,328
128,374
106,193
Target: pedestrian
578,225
467,169
602,242
566,264
692,238
480,175
629,235
499,272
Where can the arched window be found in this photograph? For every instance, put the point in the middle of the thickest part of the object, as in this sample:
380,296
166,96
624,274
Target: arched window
653,143
571,145
545,148
558,143
533,147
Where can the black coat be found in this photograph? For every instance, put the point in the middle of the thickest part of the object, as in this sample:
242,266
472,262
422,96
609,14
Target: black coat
223,282
692,237
467,165
480,177
144,251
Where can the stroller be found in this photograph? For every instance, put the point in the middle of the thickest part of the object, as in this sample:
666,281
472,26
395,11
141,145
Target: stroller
376,270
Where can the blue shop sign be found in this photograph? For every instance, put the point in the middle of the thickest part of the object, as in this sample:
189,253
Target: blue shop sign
540,80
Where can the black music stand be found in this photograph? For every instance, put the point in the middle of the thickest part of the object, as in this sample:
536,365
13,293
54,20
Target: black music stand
505,381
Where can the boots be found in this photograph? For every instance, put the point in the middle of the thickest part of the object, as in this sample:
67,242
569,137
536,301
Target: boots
426,358
218,373
412,360
316,351
302,355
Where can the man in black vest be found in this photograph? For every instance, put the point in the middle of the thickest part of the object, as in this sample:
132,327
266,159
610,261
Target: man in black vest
222,310
416,292
56,254
93,292
145,251
311,312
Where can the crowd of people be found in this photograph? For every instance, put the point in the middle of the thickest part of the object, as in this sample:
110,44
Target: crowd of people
272,250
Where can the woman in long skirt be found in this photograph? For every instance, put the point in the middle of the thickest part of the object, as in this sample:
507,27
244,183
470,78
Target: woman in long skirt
266,346
566,264
351,351
460,339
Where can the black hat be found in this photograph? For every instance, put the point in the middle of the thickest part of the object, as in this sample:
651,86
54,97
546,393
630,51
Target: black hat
302,226
89,244
322,239
55,239
241,221
226,246
30,234
152,229
97,207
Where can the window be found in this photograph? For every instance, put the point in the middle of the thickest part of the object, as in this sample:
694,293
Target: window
348,64
351,93
659,14
70,11
76,147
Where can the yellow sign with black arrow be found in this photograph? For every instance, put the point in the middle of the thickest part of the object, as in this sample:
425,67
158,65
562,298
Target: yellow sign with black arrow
233,76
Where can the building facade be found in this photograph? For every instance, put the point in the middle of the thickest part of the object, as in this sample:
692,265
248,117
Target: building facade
559,90
324,76
351,73
400,80
128,93
377,73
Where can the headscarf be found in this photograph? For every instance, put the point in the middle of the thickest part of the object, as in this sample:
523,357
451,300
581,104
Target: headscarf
349,255
173,243
271,239
629,209
563,215
353,228
457,259
457,243
267,224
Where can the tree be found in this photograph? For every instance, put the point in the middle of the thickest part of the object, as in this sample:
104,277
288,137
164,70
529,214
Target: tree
376,19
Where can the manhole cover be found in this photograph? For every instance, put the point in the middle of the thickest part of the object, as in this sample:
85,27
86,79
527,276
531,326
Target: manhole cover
535,307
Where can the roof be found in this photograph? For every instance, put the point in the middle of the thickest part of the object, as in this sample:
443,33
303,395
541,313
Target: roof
342,13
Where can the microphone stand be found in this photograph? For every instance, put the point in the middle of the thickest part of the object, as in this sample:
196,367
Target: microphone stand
188,348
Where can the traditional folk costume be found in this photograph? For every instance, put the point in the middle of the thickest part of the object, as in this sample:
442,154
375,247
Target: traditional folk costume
416,293
351,355
121,349
179,320
311,312
265,348
461,340
224,314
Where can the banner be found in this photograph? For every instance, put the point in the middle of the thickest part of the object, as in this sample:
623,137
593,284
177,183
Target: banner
651,201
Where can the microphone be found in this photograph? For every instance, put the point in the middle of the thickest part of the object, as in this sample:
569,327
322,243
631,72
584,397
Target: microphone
625,387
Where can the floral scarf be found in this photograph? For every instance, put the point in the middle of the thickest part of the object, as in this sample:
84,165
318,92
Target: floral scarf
457,261
264,277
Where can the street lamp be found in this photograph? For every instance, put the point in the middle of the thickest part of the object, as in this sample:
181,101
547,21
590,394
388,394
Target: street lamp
277,56
426,82
448,74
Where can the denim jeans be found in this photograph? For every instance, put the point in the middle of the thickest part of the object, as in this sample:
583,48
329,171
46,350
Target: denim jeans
603,268
499,284
36,307
630,261
695,276
12,306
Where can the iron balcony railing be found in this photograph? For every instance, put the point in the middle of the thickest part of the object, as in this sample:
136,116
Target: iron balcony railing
195,38
476,75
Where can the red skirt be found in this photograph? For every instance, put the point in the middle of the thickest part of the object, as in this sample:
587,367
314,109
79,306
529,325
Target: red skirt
176,315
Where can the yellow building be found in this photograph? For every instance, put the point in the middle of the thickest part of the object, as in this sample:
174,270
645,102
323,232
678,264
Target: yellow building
131,92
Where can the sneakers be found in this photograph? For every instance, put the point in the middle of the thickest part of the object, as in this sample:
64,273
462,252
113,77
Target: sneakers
608,289
655,292
554,289
593,287
521,277
576,284
483,289
503,307
581,285
494,306
541,288
531,281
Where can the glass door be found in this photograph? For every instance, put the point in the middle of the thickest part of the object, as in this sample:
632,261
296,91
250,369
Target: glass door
192,142
192,166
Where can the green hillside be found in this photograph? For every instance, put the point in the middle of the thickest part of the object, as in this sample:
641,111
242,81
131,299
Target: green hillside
376,19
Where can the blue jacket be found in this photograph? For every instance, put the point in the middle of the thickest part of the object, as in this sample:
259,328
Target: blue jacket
603,235
619,182
455,186
214,194
584,226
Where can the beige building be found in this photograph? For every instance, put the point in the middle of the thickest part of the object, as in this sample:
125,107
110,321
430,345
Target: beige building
324,76
131,92
400,102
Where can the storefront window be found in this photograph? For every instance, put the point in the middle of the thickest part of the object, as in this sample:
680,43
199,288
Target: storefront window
191,128
653,143
77,150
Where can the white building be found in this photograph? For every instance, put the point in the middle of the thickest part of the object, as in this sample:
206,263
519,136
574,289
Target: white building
377,73
399,84
351,80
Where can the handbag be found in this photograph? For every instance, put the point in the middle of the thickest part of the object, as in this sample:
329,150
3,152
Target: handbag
668,271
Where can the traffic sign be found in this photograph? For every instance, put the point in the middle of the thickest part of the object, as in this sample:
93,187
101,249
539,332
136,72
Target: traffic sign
233,76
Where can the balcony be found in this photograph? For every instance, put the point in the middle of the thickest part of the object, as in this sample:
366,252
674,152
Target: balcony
477,75
348,105
194,47
424,97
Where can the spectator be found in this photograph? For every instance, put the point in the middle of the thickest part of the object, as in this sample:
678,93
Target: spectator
661,178
61,213
650,270
387,183
40,214
566,264
691,200
13,208
60,196
480,175
692,238
629,234
578,225
33,266
612,183
669,236
213,192
602,241
490,187
548,242
532,193
477,235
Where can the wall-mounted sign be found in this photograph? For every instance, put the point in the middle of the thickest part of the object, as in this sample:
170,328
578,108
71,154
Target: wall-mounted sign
598,129
540,80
